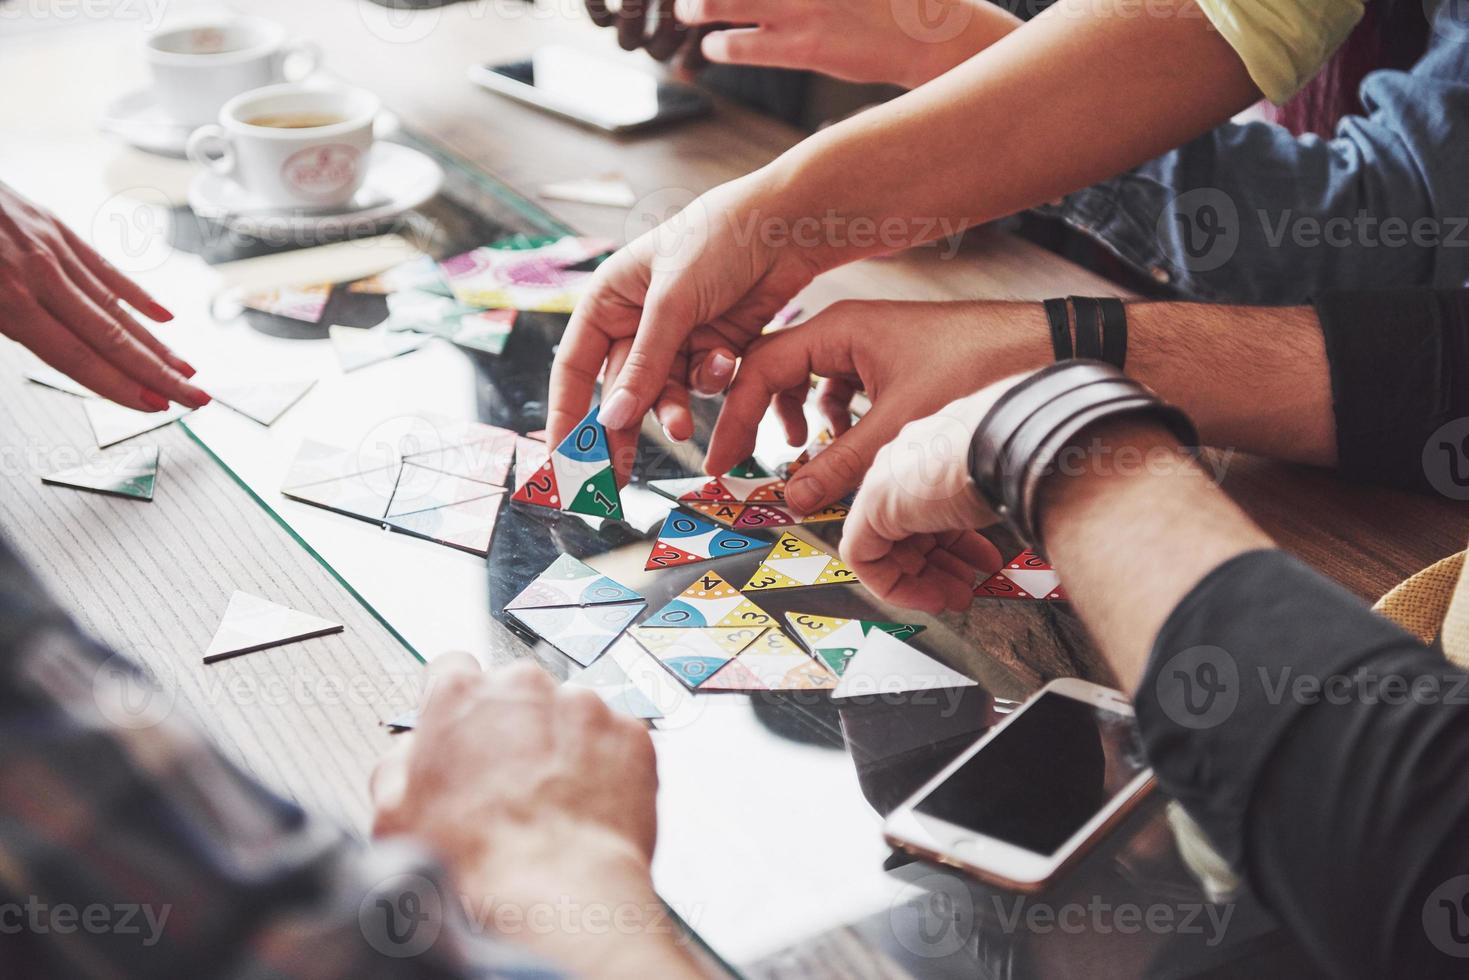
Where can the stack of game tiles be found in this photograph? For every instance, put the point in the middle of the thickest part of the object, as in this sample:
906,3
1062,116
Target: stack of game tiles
576,608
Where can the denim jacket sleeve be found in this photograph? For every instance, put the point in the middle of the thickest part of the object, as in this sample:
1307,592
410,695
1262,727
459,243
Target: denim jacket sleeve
1250,214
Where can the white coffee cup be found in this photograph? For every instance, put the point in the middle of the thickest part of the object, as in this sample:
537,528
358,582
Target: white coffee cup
200,67
292,146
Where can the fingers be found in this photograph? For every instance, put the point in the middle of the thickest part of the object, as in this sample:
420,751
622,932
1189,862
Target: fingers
116,283
668,36
574,375
665,325
672,407
838,469
777,363
790,407
712,370
632,24
834,400
113,341
53,343
622,443
597,10
725,11
756,46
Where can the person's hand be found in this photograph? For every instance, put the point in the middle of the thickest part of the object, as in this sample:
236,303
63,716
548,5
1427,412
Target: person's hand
910,358
535,795
910,537
858,40
62,300
671,311
647,24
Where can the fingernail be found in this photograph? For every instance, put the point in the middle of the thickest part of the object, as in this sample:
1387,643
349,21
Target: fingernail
158,313
668,434
187,369
154,401
803,493
197,399
721,365
618,408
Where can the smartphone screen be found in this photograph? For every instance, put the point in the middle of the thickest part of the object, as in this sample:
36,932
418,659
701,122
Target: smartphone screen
596,88
1043,776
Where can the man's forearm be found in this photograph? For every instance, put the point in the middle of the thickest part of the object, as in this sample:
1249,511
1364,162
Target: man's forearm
1135,524
1100,91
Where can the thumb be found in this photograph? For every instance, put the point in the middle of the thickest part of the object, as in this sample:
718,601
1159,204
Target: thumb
838,469
661,333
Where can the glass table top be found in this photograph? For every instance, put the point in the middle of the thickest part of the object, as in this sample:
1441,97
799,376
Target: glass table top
771,805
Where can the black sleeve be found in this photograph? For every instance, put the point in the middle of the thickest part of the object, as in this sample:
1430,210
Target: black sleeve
1399,362
1326,754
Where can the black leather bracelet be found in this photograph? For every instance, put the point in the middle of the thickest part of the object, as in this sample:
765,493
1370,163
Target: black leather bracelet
1018,441
1059,319
1088,327
1114,331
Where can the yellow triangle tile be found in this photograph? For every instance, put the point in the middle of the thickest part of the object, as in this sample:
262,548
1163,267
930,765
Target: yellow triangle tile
766,577
710,585
836,573
747,614
812,628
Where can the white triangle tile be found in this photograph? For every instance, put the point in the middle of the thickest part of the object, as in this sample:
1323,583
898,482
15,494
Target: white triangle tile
887,665
251,623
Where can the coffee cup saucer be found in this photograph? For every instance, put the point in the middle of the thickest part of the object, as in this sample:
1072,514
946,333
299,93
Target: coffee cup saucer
399,179
138,120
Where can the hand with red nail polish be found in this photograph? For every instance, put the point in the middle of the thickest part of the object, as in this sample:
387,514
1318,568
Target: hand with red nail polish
62,300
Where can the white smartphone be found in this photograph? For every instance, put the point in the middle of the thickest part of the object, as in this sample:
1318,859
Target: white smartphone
1035,793
591,89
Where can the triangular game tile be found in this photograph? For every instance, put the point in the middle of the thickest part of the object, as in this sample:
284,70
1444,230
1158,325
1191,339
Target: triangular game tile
887,665
468,525
45,374
264,402
794,563
486,458
710,601
127,471
610,682
583,633
686,539
112,423
692,656
357,348
364,495
421,488
834,640
251,623
606,190
568,581
304,303
730,639
777,664
1026,576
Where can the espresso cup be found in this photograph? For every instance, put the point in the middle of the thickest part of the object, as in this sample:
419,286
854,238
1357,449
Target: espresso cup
198,68
292,146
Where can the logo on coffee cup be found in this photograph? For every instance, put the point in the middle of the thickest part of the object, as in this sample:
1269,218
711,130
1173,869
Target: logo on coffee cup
321,169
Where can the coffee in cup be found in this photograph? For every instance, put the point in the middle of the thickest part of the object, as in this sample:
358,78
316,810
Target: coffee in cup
292,146
200,67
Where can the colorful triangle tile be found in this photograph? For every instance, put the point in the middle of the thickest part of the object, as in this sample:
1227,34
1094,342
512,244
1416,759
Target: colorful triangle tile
794,563
127,471
691,655
305,303
1026,576
834,640
568,581
251,623
775,664
686,539
885,664
711,601
578,477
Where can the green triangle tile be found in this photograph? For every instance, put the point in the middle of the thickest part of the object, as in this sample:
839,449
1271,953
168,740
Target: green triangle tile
597,496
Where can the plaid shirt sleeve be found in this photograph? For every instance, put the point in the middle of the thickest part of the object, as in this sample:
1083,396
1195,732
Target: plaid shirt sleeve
130,848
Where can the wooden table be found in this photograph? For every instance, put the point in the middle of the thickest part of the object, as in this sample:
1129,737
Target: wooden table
152,580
